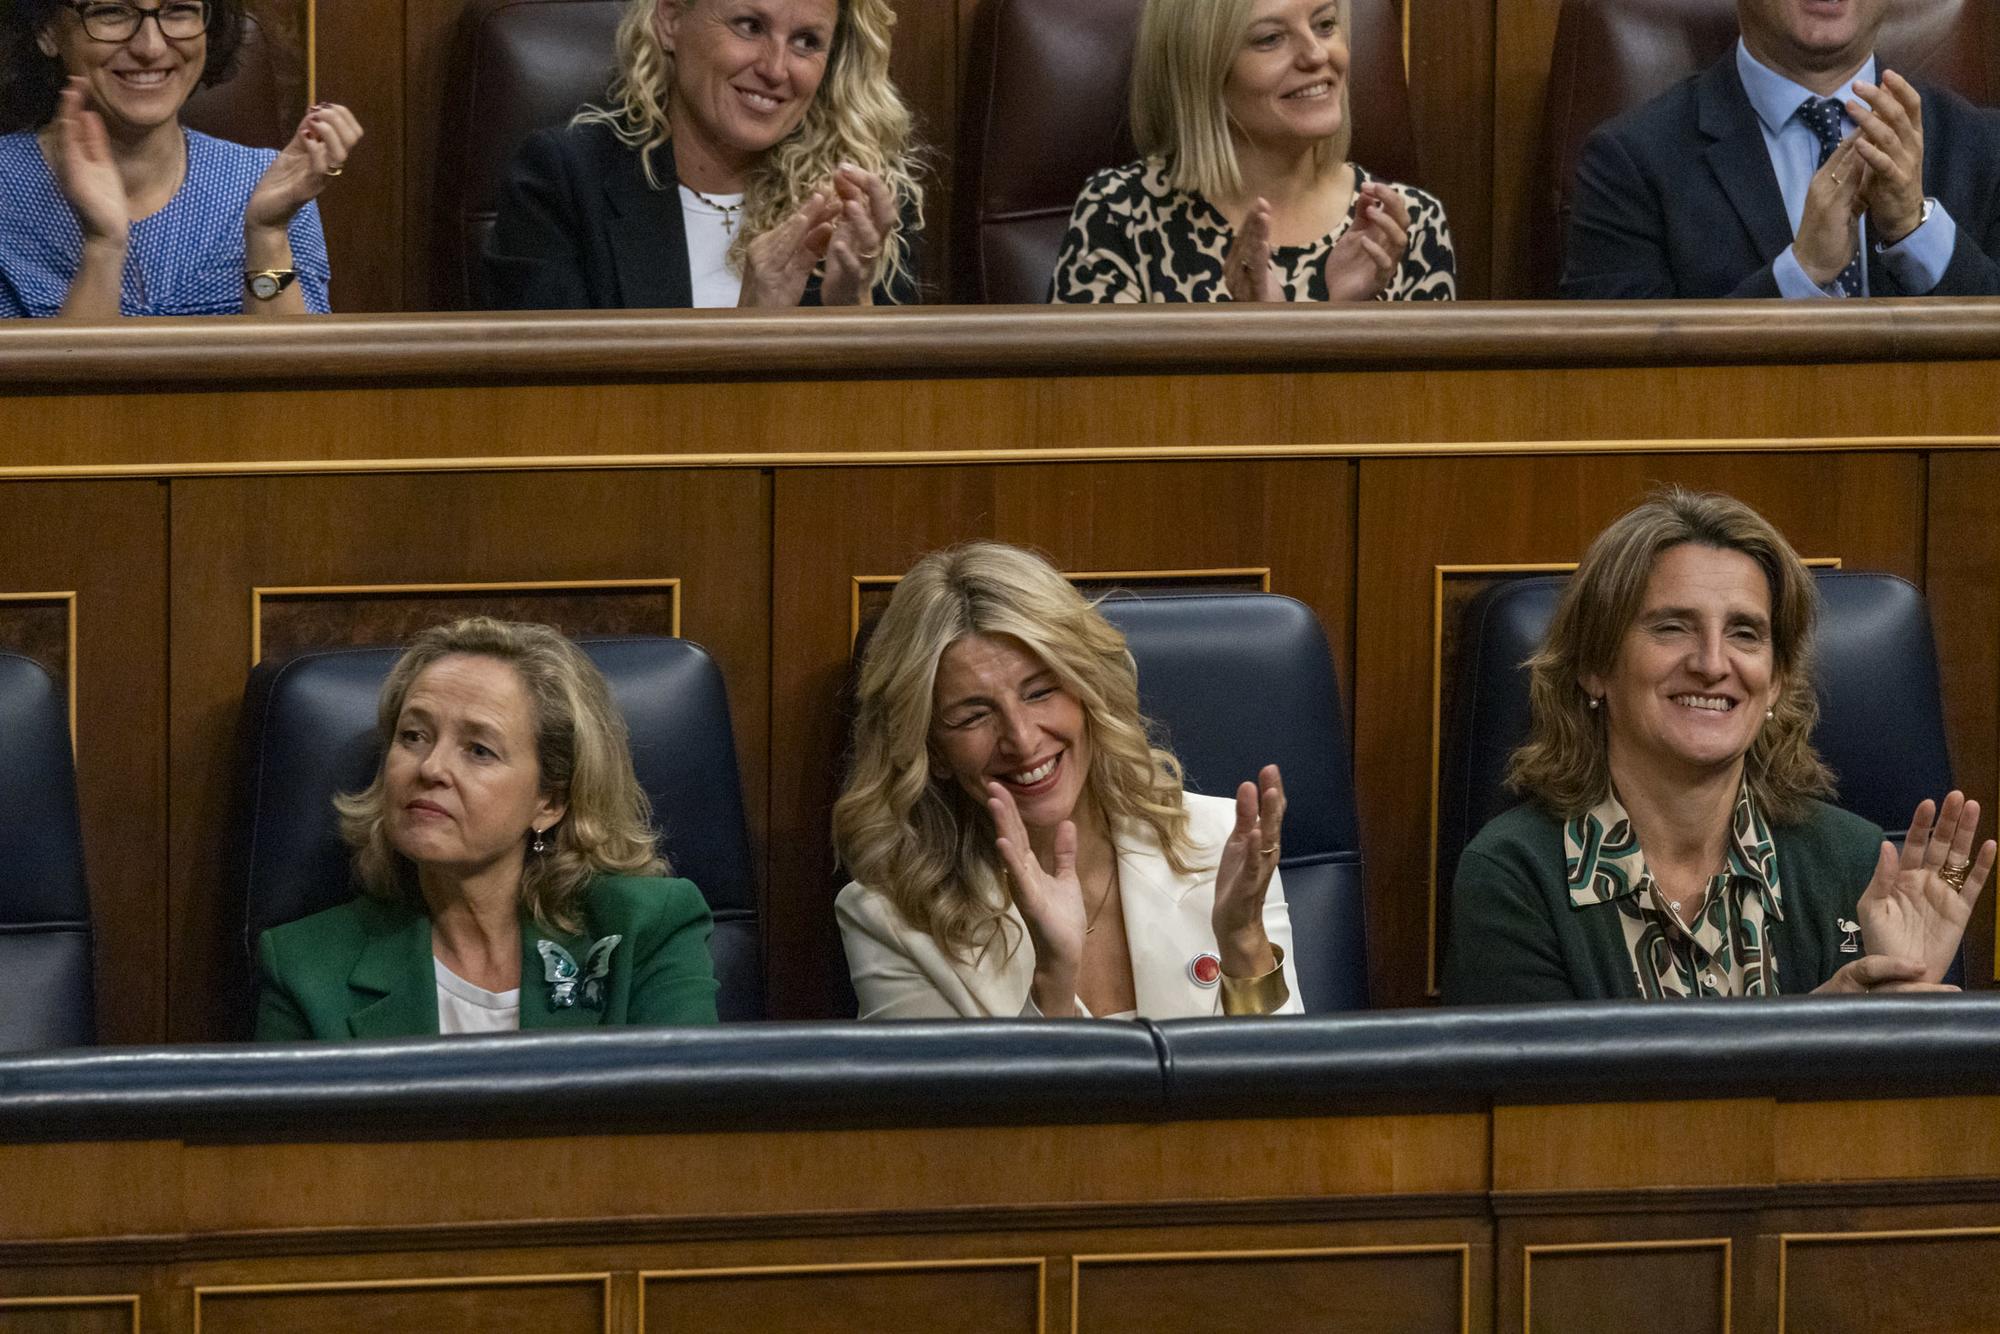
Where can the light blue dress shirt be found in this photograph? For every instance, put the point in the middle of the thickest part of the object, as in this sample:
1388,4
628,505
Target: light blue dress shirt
1918,260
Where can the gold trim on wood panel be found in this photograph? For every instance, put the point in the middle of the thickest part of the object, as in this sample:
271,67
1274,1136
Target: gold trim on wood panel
861,581
1439,573
1463,1249
91,1299
312,52
258,594
1786,1239
1038,1263
68,599
1528,1254
1031,455
223,1291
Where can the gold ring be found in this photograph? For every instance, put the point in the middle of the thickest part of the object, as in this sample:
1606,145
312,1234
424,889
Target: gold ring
335,171
1268,851
1954,873
1838,179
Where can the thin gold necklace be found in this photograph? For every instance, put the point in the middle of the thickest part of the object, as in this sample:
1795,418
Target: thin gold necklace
1090,922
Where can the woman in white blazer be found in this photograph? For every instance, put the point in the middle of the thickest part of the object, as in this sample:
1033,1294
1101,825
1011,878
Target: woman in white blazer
1018,846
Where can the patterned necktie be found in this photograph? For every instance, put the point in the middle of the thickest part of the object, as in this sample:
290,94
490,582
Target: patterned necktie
1822,116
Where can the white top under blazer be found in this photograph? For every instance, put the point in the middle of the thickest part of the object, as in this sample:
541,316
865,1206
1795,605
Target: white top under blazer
900,973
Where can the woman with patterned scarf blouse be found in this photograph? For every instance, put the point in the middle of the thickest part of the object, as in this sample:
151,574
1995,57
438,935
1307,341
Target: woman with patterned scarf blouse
1674,843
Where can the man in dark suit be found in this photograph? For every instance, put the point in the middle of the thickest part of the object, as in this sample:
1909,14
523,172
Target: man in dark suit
1790,168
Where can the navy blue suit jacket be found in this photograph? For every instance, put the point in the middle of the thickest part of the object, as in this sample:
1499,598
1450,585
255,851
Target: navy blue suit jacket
1678,197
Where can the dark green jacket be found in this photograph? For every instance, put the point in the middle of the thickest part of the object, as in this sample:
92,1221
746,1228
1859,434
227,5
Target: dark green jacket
364,969
1515,936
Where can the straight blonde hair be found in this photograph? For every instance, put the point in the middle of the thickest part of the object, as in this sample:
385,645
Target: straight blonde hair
904,827
1180,67
856,117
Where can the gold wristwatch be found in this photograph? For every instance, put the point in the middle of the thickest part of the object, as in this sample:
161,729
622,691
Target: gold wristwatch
267,283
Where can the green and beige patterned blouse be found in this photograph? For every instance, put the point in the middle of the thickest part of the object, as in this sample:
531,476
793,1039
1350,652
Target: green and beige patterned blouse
1722,951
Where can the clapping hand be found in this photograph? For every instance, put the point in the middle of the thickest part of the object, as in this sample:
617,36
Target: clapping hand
778,264
1890,139
866,217
1827,237
1051,903
1244,877
84,169
1920,899
317,153
1247,272
1363,262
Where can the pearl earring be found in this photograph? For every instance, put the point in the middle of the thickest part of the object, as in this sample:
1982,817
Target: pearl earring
1594,702
538,846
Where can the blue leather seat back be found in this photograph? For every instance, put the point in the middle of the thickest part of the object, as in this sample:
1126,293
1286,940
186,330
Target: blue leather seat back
1241,680
1881,725
309,732
45,946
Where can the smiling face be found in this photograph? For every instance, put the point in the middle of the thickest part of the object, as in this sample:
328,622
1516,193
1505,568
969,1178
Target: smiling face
137,85
1000,714
1287,82
1695,671
1808,39
745,71
462,782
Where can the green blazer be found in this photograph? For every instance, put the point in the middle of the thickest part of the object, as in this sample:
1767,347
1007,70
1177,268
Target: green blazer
364,969
1515,936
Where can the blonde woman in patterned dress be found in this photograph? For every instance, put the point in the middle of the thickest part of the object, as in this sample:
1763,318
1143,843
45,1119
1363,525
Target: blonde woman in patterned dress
1673,844
1244,193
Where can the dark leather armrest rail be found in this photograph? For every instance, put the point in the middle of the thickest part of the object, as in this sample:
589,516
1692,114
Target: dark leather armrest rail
838,1075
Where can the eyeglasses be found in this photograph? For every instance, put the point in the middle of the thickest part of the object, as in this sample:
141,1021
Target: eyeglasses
109,22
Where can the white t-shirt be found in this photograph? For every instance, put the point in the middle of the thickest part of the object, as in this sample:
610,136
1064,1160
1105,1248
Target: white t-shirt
464,1008
709,232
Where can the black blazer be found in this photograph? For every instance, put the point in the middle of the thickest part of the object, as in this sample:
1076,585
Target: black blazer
1678,197
580,229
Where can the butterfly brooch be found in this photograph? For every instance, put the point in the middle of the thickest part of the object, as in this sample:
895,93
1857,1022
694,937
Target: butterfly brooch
570,985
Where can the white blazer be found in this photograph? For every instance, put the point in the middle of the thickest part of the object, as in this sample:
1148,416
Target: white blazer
900,973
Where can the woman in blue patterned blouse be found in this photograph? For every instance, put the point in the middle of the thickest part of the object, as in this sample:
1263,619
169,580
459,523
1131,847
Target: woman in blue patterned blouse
110,206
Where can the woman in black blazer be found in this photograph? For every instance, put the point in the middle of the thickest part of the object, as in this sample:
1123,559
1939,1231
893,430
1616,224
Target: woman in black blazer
748,154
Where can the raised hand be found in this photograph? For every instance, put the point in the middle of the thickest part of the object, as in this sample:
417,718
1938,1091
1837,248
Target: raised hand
84,169
860,230
1919,900
1363,262
778,264
1247,272
1890,138
317,153
1051,902
1827,237
1243,877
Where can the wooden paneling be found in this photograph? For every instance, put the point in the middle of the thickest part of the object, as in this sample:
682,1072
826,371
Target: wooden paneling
1293,518
946,1297
1596,1146
1422,1290
105,542
1524,41
358,53
570,1304
1640,1287
1942,1138
1451,52
1962,580
1846,1284
69,1315
710,530
1865,509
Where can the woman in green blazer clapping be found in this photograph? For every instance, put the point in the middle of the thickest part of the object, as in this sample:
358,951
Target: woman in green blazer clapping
506,857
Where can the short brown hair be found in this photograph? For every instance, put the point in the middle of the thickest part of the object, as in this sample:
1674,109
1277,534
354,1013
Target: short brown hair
1565,763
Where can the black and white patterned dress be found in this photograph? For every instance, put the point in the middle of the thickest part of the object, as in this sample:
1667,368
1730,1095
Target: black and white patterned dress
1133,237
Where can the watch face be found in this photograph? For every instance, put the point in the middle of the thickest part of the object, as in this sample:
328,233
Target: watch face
263,287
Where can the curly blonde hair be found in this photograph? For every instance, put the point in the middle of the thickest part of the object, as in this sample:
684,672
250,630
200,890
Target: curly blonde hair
857,117
585,760
1565,762
907,829
1180,67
